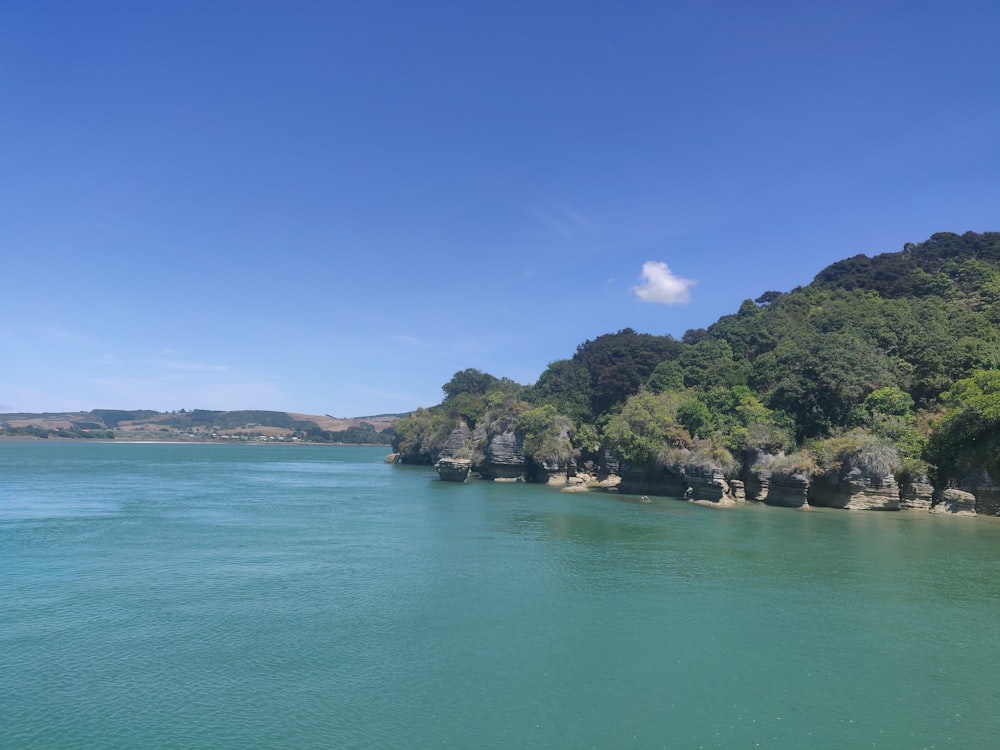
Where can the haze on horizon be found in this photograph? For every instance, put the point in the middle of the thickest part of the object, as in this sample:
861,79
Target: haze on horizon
330,209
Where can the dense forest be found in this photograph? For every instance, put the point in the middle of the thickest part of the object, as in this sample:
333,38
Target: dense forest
891,361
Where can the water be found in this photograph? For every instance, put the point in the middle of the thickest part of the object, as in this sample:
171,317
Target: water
168,596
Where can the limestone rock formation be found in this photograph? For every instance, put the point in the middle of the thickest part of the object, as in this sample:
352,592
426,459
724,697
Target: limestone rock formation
756,476
500,456
457,443
738,489
854,489
710,486
453,469
788,490
652,480
552,472
916,493
956,502
985,489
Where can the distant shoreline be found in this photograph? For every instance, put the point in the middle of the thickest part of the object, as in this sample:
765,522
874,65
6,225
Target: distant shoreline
103,441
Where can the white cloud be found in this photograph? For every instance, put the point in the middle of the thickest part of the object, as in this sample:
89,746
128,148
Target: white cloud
661,286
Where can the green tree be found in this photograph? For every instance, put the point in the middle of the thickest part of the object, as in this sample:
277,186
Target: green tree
546,435
968,436
646,425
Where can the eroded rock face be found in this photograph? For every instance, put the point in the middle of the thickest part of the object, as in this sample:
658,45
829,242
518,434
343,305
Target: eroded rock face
756,476
916,493
788,490
955,502
503,458
709,486
453,469
553,472
855,489
651,480
986,491
738,489
457,442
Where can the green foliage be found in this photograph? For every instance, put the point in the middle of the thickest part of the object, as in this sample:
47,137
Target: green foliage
667,376
619,364
365,434
858,449
469,381
968,436
800,462
710,363
707,456
889,401
423,433
873,343
645,426
566,385
546,435
695,417
586,439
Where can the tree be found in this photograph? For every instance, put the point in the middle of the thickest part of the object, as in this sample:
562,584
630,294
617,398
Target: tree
470,380
968,436
646,425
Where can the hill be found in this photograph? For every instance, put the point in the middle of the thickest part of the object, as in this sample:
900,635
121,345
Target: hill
890,361
200,424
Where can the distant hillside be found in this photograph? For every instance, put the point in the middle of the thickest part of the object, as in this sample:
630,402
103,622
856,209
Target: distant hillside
199,424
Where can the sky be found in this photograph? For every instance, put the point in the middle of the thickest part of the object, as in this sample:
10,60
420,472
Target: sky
332,207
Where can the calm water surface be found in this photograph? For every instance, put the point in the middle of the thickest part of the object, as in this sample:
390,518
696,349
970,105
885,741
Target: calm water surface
212,596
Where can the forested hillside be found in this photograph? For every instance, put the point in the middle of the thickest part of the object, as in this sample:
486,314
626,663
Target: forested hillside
893,359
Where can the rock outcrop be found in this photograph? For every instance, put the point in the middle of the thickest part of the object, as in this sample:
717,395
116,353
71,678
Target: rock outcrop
457,443
453,469
500,456
756,475
709,486
738,489
916,493
788,490
955,502
986,491
854,489
552,472
652,480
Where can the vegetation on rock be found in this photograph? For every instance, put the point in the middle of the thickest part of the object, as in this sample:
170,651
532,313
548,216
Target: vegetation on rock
887,364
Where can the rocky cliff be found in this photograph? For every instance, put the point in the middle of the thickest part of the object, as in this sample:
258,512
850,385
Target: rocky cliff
955,502
500,455
985,489
788,490
854,489
453,469
916,493
709,486
652,480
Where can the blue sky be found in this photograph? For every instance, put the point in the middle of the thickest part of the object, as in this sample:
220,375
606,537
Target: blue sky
332,207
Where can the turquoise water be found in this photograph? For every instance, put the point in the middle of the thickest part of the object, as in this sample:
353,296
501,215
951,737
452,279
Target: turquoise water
207,596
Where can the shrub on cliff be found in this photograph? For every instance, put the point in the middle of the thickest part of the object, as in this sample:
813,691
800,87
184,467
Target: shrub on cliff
645,426
857,449
546,435
706,457
422,433
968,436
